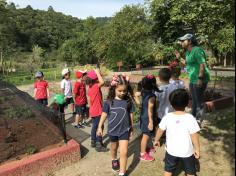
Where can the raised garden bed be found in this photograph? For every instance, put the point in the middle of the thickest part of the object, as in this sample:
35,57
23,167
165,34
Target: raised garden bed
29,143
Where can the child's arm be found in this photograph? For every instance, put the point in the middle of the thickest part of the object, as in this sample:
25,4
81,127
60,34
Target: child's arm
132,122
35,93
100,79
137,98
101,123
48,92
158,137
151,103
196,144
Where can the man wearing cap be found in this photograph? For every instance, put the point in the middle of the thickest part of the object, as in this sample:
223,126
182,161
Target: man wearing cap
198,72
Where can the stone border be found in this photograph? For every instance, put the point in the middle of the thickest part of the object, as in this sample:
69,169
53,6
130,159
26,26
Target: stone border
43,162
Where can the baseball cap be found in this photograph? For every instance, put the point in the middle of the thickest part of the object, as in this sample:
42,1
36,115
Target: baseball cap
38,74
186,37
65,71
78,74
92,75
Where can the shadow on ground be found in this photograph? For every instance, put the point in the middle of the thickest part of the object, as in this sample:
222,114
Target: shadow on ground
221,127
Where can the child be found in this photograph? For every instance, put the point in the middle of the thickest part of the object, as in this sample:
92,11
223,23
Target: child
41,91
166,88
66,88
80,100
95,81
181,134
119,110
148,120
175,74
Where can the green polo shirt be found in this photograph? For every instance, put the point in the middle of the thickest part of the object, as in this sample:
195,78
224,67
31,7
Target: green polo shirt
193,60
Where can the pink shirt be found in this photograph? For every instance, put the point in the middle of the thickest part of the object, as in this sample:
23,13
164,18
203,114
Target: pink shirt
95,96
41,89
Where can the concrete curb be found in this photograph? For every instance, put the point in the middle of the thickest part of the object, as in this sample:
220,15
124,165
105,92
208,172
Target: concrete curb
220,103
43,162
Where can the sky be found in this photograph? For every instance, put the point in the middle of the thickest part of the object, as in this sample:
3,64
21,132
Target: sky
79,8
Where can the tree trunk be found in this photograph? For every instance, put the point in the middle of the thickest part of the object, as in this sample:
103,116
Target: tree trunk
225,61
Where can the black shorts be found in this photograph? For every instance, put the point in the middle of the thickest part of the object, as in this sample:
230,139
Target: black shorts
188,164
81,110
43,101
68,101
124,136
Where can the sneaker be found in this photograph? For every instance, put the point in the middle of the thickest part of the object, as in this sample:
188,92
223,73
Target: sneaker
100,148
86,124
146,157
121,174
79,126
115,165
151,150
93,144
200,114
73,124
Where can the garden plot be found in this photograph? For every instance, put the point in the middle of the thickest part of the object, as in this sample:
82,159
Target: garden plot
22,132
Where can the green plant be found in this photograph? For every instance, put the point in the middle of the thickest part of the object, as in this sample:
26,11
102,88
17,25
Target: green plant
19,112
31,150
137,114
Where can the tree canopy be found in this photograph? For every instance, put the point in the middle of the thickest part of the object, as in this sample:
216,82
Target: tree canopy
137,34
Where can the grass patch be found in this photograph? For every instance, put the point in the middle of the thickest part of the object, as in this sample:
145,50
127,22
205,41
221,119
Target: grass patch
50,74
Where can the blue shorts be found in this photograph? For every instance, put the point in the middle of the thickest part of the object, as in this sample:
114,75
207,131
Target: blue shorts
81,110
188,163
124,136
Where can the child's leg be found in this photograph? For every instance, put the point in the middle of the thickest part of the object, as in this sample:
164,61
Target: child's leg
72,107
167,174
123,155
114,148
95,122
77,119
144,142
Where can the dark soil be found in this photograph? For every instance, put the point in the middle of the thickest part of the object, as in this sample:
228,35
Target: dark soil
25,134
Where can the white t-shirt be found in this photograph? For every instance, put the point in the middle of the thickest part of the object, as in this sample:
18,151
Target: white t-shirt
67,86
163,99
178,83
178,130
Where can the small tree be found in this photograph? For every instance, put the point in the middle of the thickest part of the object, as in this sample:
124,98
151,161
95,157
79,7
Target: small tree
35,59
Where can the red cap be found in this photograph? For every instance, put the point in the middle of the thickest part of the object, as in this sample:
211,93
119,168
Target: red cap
78,74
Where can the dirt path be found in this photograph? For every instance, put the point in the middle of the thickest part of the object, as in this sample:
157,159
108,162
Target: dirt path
217,152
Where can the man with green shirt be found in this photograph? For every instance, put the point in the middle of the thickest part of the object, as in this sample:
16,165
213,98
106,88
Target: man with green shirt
198,72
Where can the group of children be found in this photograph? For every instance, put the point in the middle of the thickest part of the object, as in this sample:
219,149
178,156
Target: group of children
162,110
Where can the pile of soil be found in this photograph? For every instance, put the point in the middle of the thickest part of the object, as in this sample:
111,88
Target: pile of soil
21,129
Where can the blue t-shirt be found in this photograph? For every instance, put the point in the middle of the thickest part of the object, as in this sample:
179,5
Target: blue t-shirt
118,115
